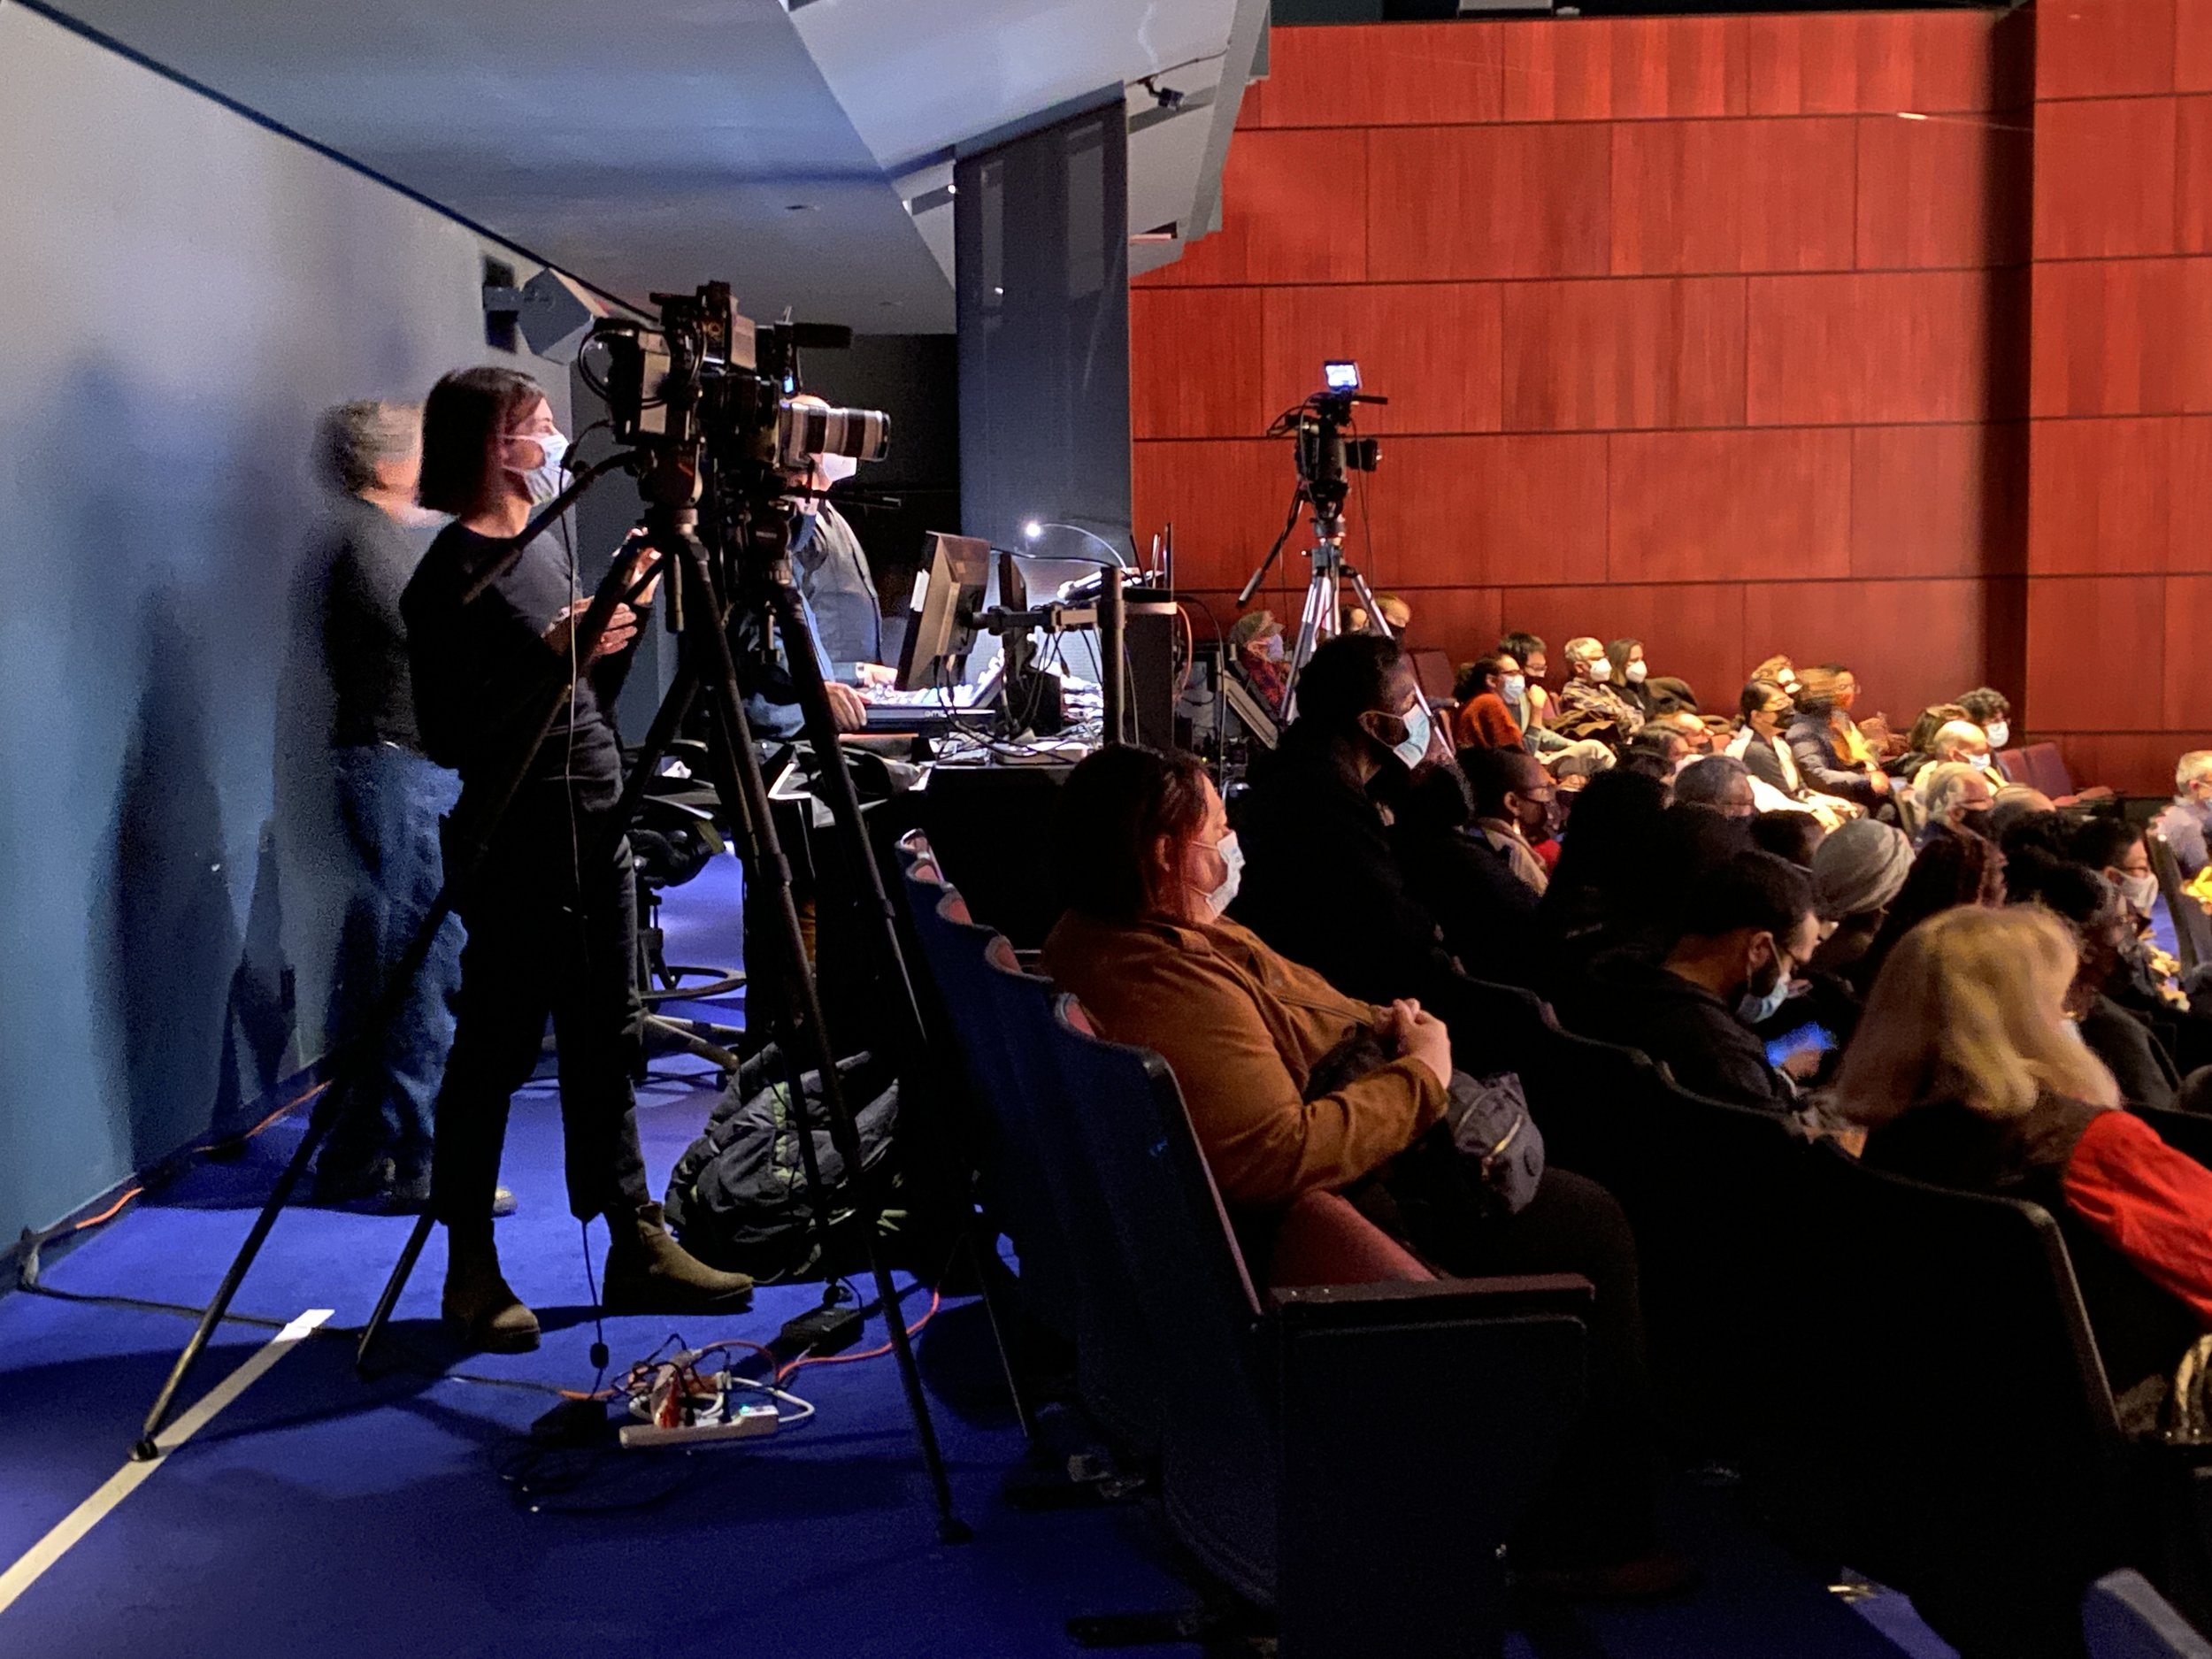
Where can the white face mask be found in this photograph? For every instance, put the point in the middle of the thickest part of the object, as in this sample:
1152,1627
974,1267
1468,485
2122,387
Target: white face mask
1999,733
1600,671
2140,892
837,468
1980,763
544,479
1413,748
1636,670
1232,857
1513,687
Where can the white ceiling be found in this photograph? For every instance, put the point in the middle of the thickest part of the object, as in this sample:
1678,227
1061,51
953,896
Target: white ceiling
663,142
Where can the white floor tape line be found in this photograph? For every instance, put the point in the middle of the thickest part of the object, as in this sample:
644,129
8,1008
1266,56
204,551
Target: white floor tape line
126,1480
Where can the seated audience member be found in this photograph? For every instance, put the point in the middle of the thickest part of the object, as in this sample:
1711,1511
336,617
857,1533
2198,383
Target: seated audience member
2181,823
1993,712
1629,672
1515,798
1957,799
1486,692
1967,1075
2145,981
2097,915
1959,741
1607,872
1856,871
2015,802
1147,861
1778,671
1831,756
1920,741
1589,706
1760,744
1719,781
1795,836
1946,872
1664,741
1651,761
1256,639
1485,911
1745,928
1685,723
1323,884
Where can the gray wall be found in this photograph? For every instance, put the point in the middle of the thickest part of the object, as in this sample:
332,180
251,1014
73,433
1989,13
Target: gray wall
181,292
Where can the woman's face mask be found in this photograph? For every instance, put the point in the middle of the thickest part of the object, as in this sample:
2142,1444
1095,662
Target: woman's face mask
1637,672
1600,671
1222,894
544,479
1514,688
1998,732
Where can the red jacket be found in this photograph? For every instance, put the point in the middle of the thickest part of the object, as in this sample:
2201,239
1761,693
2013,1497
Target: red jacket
1485,722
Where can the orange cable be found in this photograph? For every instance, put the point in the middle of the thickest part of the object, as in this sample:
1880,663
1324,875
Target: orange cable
109,1214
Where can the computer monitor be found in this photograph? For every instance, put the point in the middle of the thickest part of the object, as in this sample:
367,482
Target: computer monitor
949,592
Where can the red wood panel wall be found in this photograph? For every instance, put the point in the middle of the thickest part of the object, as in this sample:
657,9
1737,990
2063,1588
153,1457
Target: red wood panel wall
1686,334
2119,548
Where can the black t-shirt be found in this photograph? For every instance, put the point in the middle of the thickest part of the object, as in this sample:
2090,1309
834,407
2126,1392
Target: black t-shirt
364,640
482,670
1642,1005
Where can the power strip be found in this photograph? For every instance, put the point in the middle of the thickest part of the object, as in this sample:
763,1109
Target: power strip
823,1331
746,1422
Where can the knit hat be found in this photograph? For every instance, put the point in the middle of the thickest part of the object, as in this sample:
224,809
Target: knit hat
1861,867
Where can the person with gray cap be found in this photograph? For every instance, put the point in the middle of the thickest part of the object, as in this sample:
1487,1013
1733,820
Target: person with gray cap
1858,870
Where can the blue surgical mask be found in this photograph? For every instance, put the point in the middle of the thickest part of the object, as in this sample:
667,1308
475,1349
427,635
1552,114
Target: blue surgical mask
1756,1010
1514,688
1413,748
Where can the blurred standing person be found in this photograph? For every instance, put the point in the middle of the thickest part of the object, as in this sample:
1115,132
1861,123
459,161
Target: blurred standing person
830,568
390,798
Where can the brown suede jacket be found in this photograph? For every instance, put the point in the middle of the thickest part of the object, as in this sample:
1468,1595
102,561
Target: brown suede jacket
1242,1028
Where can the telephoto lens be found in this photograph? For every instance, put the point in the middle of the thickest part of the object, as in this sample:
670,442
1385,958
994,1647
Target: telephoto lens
809,429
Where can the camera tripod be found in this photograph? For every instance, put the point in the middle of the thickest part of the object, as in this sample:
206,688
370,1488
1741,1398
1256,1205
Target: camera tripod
1332,574
704,612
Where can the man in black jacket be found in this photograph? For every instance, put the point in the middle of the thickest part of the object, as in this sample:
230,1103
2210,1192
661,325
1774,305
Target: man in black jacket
1746,927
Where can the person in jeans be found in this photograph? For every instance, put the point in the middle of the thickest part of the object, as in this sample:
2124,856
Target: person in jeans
391,796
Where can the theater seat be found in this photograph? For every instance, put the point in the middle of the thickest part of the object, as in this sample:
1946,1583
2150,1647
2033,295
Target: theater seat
2041,767
1324,1240
1350,1456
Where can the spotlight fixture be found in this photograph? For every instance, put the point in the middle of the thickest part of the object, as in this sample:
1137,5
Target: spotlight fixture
1167,97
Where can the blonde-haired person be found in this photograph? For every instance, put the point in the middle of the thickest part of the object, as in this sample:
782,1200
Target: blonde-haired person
1968,1073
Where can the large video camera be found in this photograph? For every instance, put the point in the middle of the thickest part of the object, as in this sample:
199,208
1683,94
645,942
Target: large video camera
1326,455
709,383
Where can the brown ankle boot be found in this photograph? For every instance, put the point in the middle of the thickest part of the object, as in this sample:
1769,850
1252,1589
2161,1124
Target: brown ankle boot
491,1316
647,1272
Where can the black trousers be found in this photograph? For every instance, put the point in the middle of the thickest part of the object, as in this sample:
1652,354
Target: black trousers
552,929
1597,1509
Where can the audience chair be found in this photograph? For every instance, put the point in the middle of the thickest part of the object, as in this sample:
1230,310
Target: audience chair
1956,1436
2193,928
1351,1457
2124,1617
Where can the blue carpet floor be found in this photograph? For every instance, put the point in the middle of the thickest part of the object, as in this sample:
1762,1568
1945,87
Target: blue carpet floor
319,1514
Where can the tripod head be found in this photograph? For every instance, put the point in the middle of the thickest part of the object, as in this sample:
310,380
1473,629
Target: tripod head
1326,455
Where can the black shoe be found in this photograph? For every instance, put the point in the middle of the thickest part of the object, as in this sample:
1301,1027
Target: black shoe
351,1185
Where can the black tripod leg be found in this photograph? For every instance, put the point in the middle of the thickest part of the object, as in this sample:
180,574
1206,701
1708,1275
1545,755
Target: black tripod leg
802,995
402,1271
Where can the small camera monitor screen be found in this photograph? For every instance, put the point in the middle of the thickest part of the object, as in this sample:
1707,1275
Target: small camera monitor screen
949,592
1340,377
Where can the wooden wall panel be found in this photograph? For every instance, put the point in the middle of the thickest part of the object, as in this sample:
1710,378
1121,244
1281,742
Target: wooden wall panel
2123,337
2087,48
2104,178
1708,197
2134,762
2103,495
1839,63
1700,506
2193,175
1415,74
1225,498
1485,202
1593,356
1430,347
1941,193
2186,703
1494,510
1876,348
1558,70
1677,67
2094,665
1462,622
1293,209
1183,328
1911,643
1935,501
2193,46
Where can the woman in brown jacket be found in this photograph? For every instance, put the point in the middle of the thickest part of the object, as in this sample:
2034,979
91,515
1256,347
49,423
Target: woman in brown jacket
1148,864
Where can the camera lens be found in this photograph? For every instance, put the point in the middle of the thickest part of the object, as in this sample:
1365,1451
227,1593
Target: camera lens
805,429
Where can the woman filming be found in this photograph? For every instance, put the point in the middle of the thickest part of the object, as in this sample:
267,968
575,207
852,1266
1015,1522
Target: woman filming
552,916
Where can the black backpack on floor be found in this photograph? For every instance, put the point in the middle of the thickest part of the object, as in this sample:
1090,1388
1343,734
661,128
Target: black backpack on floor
739,1199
